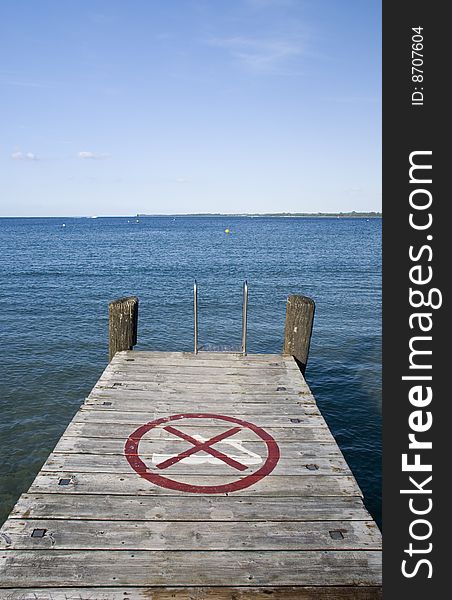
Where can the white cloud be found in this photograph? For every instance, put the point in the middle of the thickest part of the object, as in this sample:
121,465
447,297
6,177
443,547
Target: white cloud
92,155
260,54
17,155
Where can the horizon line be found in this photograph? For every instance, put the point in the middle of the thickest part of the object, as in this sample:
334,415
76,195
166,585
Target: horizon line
373,213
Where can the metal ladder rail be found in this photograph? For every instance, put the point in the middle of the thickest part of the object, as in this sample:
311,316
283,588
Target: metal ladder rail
244,315
195,309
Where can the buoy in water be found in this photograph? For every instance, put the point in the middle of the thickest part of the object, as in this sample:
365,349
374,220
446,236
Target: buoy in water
227,231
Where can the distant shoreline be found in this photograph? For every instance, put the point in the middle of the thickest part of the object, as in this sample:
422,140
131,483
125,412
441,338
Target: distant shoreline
320,215
353,214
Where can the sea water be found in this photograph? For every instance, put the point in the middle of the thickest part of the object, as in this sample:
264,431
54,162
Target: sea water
57,276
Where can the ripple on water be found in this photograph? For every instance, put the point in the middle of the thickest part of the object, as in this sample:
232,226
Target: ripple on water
56,283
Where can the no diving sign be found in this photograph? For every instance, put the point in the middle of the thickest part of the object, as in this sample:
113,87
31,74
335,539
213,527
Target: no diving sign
201,447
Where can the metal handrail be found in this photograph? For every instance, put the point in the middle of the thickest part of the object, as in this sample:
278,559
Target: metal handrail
244,316
195,310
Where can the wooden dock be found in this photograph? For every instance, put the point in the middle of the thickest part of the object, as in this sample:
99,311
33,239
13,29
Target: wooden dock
183,476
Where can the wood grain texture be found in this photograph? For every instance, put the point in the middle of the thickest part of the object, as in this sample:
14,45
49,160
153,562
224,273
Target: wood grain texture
198,535
132,484
294,432
172,406
122,324
296,419
70,444
198,593
106,463
298,328
21,568
198,508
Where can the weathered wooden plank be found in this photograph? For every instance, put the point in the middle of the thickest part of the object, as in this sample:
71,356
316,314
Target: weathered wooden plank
297,419
207,397
196,508
133,484
200,396
288,366
150,373
222,360
166,568
192,382
193,389
198,593
243,373
217,360
193,370
154,355
123,430
256,377
16,534
111,463
289,450
134,402
217,406
306,451
199,376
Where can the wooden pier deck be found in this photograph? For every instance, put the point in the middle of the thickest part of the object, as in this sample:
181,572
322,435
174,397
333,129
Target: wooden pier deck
191,477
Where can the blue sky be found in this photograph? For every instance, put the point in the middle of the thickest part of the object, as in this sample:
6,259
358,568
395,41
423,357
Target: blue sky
110,107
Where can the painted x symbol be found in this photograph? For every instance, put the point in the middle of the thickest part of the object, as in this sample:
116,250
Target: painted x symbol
202,446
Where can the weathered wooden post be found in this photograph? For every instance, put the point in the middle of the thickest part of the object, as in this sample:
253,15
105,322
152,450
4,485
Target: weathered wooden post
297,335
122,324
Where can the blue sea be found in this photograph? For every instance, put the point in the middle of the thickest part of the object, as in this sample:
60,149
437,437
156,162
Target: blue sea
57,276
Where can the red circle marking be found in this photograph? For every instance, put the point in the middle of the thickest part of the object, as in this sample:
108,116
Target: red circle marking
131,453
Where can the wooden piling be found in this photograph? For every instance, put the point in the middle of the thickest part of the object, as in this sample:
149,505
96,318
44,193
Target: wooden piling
122,324
297,336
